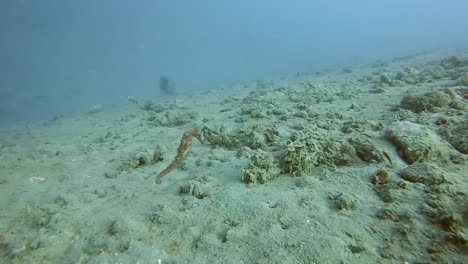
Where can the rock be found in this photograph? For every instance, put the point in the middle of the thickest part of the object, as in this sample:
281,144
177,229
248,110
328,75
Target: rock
424,173
416,143
455,132
366,150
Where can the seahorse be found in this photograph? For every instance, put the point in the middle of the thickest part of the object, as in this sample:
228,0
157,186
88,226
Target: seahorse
183,151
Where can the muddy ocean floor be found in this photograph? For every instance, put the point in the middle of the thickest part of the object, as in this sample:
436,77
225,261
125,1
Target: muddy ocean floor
351,165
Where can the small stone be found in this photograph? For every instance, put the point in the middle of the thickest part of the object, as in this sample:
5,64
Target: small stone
380,178
356,249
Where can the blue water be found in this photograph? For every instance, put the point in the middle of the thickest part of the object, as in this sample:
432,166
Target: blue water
60,57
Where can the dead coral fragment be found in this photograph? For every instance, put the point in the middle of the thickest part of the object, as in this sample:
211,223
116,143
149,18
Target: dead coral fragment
183,151
263,167
301,156
311,149
177,119
195,189
142,157
429,102
343,201
220,138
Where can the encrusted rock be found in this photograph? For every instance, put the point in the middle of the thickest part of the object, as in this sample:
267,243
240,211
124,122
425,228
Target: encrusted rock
458,136
416,143
429,102
425,173
366,151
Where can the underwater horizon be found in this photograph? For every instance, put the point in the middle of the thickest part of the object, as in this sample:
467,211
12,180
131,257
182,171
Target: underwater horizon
62,57
233,131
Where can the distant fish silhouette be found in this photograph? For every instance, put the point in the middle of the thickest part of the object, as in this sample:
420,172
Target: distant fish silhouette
166,86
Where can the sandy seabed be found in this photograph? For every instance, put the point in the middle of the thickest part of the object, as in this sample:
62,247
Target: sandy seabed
353,165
